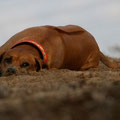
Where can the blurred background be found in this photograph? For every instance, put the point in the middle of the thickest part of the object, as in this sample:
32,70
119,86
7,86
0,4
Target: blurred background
100,17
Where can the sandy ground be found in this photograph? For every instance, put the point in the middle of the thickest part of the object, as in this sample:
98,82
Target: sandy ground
61,95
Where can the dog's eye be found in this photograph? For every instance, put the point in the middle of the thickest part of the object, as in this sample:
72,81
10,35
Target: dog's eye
8,60
25,64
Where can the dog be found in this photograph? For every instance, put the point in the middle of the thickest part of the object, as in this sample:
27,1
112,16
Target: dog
62,47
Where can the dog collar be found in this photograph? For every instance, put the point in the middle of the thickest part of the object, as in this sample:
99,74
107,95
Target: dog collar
36,44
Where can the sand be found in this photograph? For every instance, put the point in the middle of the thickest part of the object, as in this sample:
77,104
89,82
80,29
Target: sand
61,94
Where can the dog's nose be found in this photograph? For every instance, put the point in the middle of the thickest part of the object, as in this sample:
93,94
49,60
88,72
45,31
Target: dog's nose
11,70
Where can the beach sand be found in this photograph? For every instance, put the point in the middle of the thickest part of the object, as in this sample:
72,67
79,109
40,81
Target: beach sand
61,94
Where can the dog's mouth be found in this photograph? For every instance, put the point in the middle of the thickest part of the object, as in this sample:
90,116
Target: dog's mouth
13,71
9,71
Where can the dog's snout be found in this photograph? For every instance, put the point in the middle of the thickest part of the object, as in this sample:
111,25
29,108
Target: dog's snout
11,70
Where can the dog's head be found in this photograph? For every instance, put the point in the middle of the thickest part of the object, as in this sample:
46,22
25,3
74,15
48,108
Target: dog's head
17,60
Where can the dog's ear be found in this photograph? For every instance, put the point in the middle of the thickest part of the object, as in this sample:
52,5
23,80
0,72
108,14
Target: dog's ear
70,29
38,64
1,56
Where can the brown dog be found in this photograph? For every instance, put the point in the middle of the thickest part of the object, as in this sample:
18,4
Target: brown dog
69,47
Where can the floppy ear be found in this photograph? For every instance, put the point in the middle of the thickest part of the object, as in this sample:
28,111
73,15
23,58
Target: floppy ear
70,29
1,56
38,64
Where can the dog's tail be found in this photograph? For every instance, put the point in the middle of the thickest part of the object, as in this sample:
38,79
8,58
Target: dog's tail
107,62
